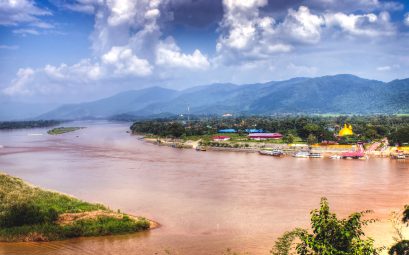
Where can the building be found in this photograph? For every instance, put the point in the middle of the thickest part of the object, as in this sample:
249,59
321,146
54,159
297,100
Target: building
229,130
220,138
265,136
346,131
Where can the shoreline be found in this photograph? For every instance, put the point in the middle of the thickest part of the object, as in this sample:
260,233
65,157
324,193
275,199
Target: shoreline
32,214
289,150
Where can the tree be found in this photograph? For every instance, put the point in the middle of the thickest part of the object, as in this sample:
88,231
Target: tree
402,246
289,138
330,235
400,136
312,139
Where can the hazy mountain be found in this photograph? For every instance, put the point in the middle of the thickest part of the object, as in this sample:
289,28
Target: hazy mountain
120,103
346,94
10,110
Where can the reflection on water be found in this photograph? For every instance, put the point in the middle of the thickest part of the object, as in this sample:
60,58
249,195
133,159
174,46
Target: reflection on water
205,201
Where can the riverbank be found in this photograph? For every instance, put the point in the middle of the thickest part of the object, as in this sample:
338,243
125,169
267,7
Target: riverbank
374,150
28,213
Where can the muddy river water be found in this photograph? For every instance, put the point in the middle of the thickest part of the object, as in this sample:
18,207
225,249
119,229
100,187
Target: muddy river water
206,202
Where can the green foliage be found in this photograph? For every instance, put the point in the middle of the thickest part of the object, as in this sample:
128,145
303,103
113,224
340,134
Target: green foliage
330,235
62,130
289,138
28,124
27,211
400,248
14,191
400,136
312,139
284,243
104,226
292,126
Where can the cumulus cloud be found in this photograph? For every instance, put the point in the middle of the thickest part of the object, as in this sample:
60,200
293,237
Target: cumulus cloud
126,41
354,5
19,85
406,20
302,25
169,55
246,34
14,12
370,24
126,63
118,62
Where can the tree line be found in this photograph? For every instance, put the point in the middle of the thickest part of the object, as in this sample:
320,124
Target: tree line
308,128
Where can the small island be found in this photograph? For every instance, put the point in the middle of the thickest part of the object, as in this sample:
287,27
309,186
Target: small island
28,213
62,130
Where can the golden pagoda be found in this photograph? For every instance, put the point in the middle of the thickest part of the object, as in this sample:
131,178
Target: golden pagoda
346,130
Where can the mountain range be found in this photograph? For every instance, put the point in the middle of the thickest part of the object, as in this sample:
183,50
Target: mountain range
337,94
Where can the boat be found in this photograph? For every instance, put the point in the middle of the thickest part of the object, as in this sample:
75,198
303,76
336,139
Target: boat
335,157
358,154
315,155
277,152
399,156
274,152
302,154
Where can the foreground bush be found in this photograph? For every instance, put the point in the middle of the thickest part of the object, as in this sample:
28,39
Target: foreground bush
330,236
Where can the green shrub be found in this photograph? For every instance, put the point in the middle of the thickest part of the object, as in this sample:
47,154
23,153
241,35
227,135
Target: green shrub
26,213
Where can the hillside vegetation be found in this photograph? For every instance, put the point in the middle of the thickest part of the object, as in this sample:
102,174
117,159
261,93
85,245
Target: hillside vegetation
339,94
28,213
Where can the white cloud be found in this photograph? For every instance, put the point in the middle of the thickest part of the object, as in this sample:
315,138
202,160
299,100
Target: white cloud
370,24
245,34
406,21
14,12
25,32
19,85
355,5
302,25
168,54
388,68
126,63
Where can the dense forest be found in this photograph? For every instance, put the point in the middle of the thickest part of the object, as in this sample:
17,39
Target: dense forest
28,124
366,128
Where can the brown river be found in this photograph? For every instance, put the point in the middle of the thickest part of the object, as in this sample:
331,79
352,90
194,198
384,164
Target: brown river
205,202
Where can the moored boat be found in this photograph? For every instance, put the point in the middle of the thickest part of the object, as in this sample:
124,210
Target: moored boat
315,155
274,152
335,157
302,154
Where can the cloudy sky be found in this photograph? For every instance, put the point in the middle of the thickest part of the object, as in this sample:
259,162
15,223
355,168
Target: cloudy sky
75,50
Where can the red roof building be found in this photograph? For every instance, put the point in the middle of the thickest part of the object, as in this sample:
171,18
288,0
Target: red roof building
264,136
220,138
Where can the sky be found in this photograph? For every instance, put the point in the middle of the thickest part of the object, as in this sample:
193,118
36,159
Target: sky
65,51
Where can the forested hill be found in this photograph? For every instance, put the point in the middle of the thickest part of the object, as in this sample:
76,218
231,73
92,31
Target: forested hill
340,94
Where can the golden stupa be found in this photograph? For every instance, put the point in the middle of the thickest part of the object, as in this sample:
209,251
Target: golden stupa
346,130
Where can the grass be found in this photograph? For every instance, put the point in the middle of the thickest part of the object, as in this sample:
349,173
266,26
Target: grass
28,213
62,130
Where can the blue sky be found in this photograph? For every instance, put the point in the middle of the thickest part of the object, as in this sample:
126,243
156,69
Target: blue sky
61,51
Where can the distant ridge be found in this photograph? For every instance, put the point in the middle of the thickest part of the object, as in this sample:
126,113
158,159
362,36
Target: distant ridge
342,94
